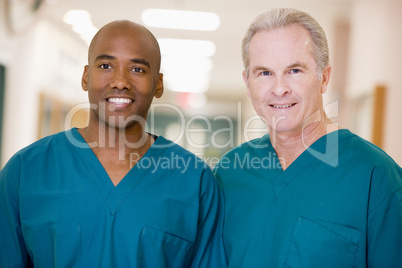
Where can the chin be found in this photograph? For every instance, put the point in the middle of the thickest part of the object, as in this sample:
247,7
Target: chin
283,127
124,126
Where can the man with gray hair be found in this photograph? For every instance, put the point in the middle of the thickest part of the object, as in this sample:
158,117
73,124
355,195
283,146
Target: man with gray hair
333,199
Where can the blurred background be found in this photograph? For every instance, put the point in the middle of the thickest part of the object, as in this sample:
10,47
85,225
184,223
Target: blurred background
205,108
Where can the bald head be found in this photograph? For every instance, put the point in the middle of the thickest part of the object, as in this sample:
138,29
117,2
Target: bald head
125,28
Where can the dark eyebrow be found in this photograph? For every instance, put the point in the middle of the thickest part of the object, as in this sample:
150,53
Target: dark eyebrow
141,61
105,57
135,60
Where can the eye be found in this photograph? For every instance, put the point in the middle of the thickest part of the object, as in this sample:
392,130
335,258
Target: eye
266,73
295,71
105,66
138,70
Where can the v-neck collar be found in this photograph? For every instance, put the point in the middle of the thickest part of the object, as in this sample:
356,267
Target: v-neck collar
325,149
115,195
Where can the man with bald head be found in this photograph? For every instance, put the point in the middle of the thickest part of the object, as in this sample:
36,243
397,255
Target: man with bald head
111,194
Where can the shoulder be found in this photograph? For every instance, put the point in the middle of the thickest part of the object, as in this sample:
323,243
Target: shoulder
253,147
170,146
183,168
41,147
30,158
166,146
176,155
241,158
367,159
353,146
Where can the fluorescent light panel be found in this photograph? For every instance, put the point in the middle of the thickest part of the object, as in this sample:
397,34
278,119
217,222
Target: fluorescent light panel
186,81
186,47
181,19
77,17
187,64
81,22
188,85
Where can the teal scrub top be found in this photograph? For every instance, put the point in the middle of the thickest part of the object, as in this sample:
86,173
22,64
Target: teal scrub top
59,208
339,204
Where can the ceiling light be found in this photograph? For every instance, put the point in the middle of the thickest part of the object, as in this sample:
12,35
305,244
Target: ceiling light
186,74
81,23
186,82
76,17
186,47
181,19
186,64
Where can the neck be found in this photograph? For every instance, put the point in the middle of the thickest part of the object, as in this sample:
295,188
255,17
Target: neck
290,145
119,143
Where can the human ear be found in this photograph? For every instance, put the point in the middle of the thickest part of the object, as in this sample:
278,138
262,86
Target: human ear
84,79
325,79
159,86
245,79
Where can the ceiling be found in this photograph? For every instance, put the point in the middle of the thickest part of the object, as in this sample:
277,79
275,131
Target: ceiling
235,16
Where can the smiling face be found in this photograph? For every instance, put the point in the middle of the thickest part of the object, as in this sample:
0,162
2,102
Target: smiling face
122,75
283,82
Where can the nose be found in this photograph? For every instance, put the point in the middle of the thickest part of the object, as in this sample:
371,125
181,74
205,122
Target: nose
280,88
120,80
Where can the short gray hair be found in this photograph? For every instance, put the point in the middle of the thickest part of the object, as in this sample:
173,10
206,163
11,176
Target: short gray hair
283,17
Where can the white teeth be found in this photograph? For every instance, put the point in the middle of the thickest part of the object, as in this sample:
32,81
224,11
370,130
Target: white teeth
282,106
119,100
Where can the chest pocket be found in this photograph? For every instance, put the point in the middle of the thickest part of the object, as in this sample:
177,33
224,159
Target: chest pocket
318,243
160,249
